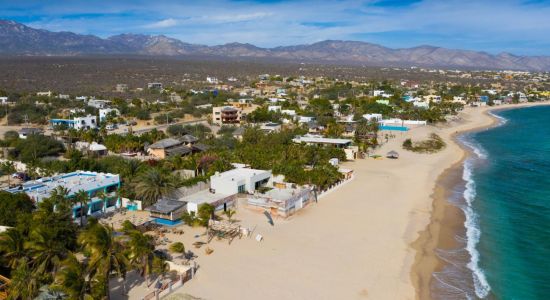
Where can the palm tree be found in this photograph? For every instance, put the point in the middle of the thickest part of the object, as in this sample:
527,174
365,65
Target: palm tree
130,169
106,255
229,213
141,249
71,279
82,197
24,284
101,195
8,168
45,250
59,195
177,247
12,247
152,185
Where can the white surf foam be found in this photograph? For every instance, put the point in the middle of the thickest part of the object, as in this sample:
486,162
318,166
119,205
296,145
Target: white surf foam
501,120
475,148
473,233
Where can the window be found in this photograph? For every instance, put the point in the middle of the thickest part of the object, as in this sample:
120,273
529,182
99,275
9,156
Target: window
241,189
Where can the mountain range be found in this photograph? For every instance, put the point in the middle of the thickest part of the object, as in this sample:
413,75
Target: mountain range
19,39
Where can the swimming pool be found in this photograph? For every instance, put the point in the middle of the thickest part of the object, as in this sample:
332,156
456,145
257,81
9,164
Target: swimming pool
167,222
132,207
393,128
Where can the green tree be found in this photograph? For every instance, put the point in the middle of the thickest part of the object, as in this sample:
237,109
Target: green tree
25,283
71,279
82,197
229,213
106,255
8,168
152,185
140,252
177,247
14,207
12,247
205,213
45,251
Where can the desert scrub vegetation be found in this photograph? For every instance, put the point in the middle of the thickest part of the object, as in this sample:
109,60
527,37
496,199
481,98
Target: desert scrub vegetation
433,144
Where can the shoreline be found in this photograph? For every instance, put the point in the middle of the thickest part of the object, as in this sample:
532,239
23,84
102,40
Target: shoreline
355,243
447,220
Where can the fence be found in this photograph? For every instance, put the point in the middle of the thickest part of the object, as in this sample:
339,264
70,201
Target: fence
186,191
168,287
335,187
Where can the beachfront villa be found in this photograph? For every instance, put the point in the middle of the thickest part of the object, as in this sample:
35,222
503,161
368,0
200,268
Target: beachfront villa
221,202
281,202
345,144
319,140
91,182
239,180
222,194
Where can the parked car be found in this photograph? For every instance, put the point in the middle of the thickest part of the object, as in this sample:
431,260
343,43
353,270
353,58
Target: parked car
21,175
111,127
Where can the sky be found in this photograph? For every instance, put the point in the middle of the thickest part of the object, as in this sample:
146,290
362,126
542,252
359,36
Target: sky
494,26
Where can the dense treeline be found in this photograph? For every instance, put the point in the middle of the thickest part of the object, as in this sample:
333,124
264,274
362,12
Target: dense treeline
61,261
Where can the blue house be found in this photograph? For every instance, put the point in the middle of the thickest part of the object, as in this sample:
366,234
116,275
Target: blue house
101,188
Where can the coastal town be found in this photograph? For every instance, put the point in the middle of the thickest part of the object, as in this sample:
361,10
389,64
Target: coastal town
166,190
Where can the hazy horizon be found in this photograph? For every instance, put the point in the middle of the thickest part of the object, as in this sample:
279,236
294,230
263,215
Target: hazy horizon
518,27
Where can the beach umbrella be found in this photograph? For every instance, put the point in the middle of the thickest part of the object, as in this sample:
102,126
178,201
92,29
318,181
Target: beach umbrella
392,154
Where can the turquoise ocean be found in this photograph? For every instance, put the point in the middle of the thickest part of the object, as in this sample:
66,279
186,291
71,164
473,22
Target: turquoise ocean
504,249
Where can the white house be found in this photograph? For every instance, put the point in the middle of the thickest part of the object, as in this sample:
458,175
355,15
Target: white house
274,108
103,112
290,112
271,127
47,94
490,92
305,119
3,100
276,100
370,117
97,103
241,180
88,122
212,80
381,93
154,86
421,104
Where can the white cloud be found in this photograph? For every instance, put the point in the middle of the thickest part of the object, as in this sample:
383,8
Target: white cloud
166,23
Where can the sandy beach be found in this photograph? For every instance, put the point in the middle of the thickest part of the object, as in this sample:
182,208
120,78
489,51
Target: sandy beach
359,242
447,220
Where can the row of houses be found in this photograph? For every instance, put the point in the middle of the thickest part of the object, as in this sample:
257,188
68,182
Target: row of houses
259,190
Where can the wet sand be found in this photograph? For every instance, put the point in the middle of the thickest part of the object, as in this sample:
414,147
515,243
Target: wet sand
446,220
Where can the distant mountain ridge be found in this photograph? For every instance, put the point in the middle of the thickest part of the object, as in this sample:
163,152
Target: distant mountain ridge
19,39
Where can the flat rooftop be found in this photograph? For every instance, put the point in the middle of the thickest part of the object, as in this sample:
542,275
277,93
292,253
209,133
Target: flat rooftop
166,206
239,173
75,181
282,194
321,140
204,196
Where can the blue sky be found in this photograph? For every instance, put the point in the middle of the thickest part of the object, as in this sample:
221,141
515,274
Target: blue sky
520,27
